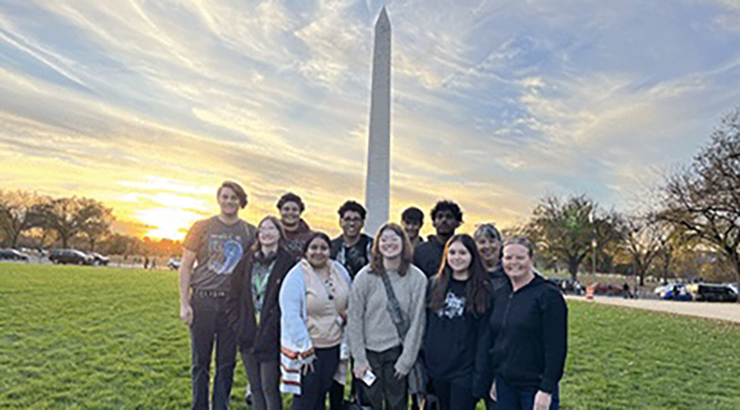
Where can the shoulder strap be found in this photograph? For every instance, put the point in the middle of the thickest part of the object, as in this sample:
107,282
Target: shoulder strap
394,308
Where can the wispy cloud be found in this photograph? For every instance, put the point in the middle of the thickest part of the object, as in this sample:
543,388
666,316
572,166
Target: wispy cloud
151,105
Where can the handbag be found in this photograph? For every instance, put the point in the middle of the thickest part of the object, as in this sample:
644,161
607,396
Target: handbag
417,377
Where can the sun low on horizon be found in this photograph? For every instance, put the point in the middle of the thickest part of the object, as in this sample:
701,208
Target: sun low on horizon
150,107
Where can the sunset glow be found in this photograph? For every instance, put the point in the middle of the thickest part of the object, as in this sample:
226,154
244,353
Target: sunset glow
148,108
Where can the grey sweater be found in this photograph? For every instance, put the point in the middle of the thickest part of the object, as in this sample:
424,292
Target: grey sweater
369,325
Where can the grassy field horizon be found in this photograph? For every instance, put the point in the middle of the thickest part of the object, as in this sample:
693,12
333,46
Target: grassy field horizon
111,338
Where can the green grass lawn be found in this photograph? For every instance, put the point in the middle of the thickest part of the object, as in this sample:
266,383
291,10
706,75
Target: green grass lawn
108,338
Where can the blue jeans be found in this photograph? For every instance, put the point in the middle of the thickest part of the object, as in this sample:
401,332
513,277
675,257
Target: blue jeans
209,322
510,397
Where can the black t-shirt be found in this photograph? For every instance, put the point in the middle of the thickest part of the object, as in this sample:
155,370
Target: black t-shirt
354,257
218,248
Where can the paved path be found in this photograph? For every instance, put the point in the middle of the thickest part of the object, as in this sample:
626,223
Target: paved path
722,311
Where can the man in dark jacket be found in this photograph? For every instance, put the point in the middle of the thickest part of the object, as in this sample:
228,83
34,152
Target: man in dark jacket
446,218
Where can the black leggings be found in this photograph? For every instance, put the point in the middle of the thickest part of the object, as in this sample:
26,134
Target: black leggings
316,384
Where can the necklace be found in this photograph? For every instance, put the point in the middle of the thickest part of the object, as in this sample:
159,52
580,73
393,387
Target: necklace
328,285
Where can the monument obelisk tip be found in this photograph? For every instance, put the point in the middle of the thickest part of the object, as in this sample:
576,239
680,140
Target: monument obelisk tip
383,18
377,182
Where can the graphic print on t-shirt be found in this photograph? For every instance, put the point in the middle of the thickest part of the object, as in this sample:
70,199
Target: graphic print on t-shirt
454,306
224,252
356,258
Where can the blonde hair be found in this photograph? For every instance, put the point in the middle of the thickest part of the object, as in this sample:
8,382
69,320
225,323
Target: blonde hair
520,240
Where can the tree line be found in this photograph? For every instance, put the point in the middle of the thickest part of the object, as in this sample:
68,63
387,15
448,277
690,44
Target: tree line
692,225
30,220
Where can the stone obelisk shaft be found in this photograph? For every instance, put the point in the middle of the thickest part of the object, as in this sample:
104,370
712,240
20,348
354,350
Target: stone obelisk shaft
377,184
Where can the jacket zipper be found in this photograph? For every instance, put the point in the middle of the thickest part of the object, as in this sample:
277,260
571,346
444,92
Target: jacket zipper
506,312
506,319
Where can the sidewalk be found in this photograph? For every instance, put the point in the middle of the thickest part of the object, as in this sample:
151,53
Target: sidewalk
721,311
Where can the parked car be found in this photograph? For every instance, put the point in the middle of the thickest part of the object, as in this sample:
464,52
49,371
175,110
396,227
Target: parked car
571,286
13,255
173,263
607,289
676,291
706,292
99,259
71,256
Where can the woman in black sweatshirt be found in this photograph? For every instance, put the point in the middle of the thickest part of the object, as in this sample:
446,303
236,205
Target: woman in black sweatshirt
457,325
529,329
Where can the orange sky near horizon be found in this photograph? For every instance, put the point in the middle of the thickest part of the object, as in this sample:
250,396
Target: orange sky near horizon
159,208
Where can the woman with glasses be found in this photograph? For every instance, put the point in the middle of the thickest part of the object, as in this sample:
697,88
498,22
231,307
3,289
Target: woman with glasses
313,301
255,290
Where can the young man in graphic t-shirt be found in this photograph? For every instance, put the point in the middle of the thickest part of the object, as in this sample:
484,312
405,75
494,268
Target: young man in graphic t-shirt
352,249
216,244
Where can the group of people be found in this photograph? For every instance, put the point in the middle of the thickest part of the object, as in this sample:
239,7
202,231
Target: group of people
451,320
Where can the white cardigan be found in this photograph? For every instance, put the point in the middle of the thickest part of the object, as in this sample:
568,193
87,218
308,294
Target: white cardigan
296,347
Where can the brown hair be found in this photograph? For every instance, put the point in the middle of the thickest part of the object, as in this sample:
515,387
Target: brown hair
519,240
275,221
238,190
478,286
407,252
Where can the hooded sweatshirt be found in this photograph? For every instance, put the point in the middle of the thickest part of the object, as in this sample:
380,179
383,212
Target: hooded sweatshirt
529,330
455,338
295,240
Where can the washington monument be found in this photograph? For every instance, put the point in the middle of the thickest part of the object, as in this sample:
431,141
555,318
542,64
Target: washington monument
377,183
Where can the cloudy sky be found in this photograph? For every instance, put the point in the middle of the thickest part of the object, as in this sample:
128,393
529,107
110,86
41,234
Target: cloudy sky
149,105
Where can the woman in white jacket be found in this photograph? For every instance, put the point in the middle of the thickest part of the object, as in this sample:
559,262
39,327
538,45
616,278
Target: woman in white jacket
313,302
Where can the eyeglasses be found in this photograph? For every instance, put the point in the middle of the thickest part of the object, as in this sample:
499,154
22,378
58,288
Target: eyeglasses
352,220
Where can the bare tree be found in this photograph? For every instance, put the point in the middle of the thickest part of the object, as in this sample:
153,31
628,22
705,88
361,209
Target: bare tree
642,241
19,212
70,217
95,221
704,199
565,229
